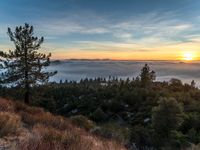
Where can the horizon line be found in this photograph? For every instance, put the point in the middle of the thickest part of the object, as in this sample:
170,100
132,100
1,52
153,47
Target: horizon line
100,59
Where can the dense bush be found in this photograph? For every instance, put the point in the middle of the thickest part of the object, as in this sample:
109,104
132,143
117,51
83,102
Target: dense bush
113,130
83,122
99,116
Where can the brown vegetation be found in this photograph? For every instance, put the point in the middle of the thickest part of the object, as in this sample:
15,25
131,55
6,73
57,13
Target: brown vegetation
35,129
9,123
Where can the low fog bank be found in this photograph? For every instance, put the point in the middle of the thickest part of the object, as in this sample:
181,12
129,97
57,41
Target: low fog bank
165,70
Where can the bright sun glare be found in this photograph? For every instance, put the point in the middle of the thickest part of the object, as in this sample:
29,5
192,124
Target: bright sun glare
188,56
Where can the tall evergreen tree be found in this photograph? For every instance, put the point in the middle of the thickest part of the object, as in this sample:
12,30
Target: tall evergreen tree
24,66
166,118
147,76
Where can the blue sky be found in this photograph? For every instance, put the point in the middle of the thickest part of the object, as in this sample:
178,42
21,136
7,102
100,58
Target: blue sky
116,29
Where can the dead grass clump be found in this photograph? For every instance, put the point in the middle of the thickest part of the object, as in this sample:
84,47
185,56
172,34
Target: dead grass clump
50,134
34,142
111,145
35,115
9,123
19,106
49,138
46,119
57,122
6,105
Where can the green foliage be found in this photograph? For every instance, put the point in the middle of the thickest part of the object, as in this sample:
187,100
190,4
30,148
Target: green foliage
191,121
99,116
166,118
141,136
83,122
112,130
115,105
177,141
147,76
175,84
193,136
119,132
23,66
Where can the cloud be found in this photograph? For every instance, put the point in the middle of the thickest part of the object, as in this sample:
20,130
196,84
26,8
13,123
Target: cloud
89,32
80,23
149,28
153,28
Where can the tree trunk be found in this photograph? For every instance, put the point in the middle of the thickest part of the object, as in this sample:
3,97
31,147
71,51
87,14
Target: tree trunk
27,88
26,98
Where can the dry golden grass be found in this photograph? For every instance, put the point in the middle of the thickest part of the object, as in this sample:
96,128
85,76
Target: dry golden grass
9,123
46,131
19,106
49,138
46,119
6,105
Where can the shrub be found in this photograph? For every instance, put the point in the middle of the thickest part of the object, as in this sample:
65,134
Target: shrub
141,136
115,106
9,123
119,133
82,122
112,131
99,115
193,136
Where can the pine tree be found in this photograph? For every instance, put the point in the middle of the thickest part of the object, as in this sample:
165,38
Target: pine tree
166,119
147,76
24,66
193,84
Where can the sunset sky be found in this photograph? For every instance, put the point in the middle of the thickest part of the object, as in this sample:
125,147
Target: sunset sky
114,29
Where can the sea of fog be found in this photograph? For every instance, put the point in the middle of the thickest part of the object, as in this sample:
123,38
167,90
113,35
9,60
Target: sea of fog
165,70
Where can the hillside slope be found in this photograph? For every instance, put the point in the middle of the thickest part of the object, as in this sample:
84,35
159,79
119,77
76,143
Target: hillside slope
30,128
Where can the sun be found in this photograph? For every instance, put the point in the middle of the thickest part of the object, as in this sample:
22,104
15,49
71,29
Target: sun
188,56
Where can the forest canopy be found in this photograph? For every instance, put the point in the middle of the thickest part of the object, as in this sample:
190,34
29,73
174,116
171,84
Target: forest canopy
140,112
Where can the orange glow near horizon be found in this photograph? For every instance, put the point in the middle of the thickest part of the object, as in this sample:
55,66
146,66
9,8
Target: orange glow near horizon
177,52
118,55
